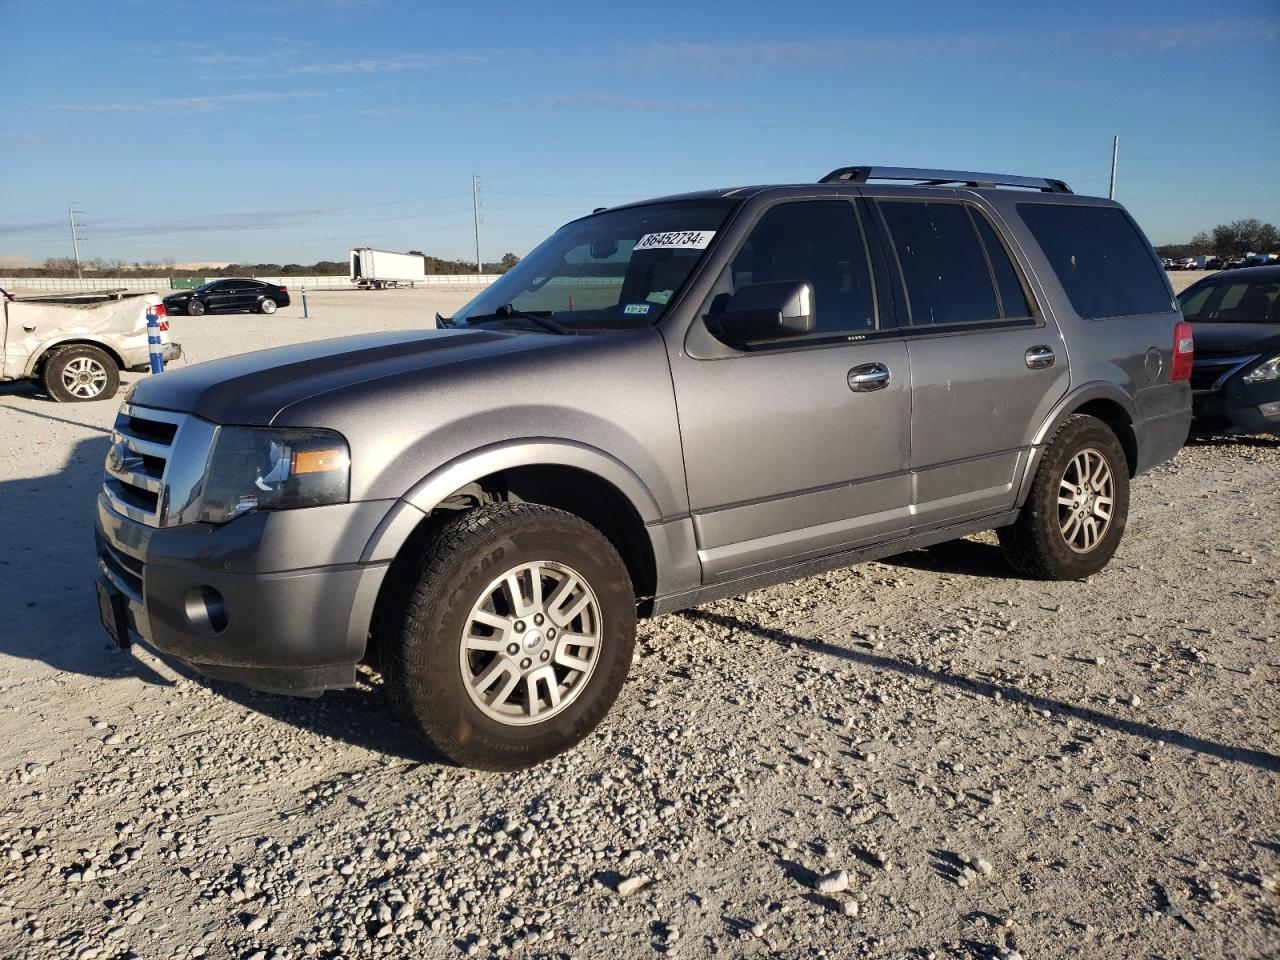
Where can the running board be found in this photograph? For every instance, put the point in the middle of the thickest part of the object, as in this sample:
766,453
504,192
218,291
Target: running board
807,568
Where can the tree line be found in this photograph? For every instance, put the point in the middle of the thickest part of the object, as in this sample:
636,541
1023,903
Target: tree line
1227,241
99,267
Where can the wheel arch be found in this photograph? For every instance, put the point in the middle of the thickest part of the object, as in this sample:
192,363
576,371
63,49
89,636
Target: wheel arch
40,357
1104,401
569,476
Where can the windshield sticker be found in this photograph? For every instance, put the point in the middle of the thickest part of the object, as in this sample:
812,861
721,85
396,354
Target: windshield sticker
678,240
634,308
659,296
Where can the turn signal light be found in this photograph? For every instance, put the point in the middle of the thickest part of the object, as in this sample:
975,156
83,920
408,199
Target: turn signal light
319,461
1184,349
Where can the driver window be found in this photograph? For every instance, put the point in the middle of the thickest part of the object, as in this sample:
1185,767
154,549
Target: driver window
819,241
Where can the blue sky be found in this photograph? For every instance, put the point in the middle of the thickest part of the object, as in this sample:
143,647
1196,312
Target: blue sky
291,130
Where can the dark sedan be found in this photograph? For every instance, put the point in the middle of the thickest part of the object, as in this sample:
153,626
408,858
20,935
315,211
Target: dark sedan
1235,380
230,295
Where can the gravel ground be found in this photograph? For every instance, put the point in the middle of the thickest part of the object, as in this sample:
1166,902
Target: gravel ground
921,757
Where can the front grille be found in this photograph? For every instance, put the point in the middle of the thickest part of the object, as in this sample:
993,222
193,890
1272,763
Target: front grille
142,445
1209,372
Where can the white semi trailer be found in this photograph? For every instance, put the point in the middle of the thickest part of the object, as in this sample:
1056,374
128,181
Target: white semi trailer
375,269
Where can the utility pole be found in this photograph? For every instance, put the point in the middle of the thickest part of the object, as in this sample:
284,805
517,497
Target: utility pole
475,209
1115,155
75,240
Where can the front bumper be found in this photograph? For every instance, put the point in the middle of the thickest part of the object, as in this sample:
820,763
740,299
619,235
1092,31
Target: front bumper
245,601
1237,408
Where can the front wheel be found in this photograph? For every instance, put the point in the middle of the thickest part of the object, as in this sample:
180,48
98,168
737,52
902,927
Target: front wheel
195,307
1076,511
507,638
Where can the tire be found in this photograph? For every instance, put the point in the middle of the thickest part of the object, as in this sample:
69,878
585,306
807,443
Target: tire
475,687
80,373
195,308
267,306
1067,530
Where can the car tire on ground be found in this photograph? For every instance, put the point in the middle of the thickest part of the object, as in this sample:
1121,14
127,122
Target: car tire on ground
1076,511
80,373
195,307
506,637
267,306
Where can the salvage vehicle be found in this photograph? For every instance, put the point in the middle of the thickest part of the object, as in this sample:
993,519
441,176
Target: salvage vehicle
665,403
230,295
1235,378
76,345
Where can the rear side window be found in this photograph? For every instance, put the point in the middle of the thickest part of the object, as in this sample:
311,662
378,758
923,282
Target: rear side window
951,275
1100,258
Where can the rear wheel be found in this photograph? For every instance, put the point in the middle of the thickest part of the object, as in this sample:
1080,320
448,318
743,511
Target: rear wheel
80,373
267,305
506,639
1076,511
195,307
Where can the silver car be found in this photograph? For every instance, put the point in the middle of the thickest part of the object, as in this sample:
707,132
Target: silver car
664,403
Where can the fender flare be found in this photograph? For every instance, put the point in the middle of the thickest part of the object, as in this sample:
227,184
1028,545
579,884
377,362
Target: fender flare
1073,401
425,495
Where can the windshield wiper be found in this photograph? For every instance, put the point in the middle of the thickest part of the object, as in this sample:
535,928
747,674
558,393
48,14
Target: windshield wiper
509,312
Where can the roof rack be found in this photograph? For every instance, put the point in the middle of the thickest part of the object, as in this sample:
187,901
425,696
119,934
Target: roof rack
943,178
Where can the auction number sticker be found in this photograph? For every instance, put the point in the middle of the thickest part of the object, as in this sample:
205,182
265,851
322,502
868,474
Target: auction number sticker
636,309
676,240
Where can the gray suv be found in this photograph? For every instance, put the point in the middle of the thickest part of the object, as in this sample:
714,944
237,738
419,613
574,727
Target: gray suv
665,403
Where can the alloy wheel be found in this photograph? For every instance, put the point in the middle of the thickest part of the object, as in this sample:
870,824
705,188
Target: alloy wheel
1086,496
530,643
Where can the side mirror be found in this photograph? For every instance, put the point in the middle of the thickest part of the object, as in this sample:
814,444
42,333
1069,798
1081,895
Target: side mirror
761,312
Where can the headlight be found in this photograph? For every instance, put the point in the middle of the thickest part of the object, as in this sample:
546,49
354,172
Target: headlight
257,468
1264,372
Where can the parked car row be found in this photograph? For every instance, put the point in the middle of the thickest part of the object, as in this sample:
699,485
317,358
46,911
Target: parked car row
1219,263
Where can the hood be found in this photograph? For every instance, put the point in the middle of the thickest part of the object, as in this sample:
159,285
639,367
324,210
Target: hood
253,388
1214,338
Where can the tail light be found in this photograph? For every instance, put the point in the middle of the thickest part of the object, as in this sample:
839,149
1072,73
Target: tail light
284,289
1184,349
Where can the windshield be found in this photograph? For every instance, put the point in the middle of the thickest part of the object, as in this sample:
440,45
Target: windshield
1241,301
617,269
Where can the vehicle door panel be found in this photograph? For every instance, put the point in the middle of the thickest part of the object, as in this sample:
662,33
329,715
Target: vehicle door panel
974,324
784,461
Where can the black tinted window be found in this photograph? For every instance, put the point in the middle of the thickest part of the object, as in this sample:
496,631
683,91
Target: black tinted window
1012,297
942,263
1243,301
818,241
1101,259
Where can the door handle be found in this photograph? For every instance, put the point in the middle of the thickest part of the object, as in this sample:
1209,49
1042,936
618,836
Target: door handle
1038,358
867,377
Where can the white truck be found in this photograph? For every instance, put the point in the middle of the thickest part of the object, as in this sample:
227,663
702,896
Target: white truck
375,269
76,346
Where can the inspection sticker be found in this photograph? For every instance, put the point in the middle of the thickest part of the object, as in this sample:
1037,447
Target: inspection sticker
640,308
677,240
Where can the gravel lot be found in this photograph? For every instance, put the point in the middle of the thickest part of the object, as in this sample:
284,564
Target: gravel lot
922,757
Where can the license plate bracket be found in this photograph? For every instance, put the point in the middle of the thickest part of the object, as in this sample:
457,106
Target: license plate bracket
114,614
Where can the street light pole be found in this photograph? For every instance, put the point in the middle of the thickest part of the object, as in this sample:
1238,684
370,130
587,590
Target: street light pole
75,240
475,209
1115,156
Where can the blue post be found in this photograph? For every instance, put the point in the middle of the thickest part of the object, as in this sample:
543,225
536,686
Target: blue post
304,301
153,339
